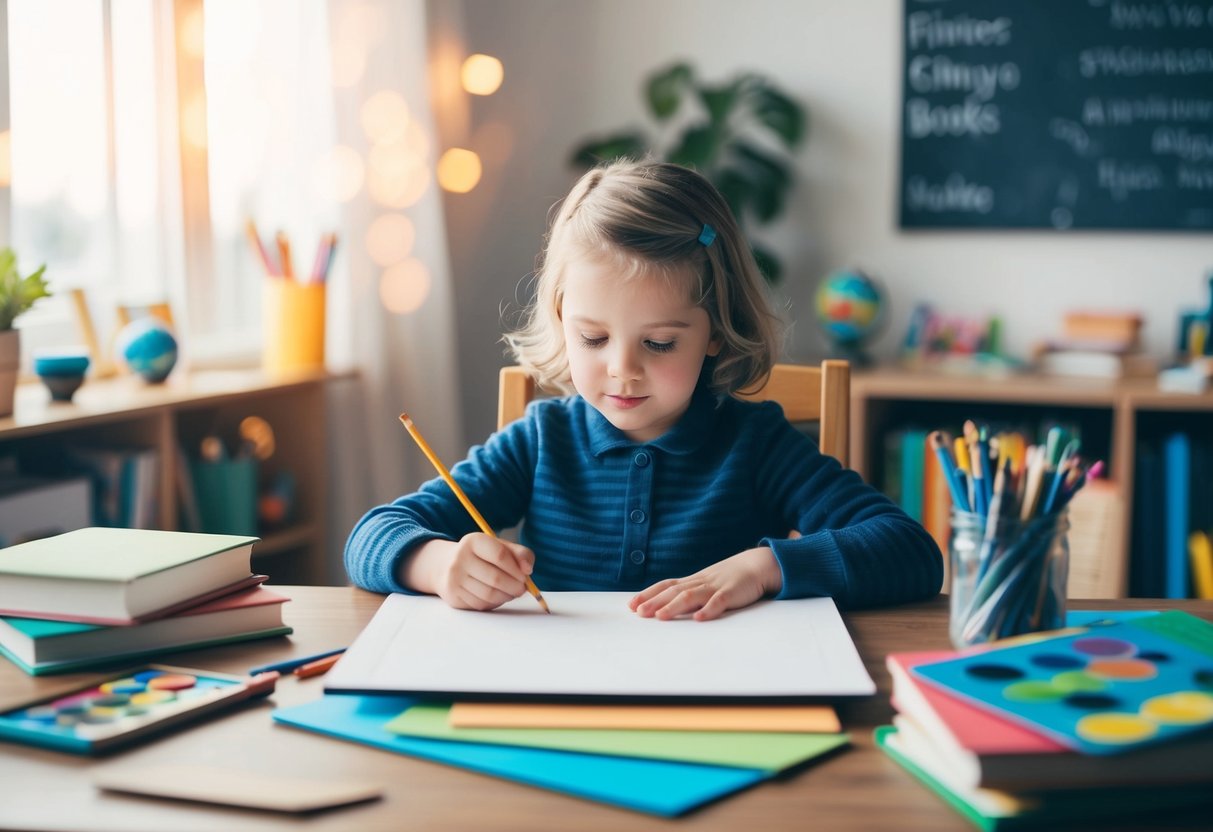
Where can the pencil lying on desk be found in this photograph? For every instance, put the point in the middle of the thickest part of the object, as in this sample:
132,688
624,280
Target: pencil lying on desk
463,498
317,667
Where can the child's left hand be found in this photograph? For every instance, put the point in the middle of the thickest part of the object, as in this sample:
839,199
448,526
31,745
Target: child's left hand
728,585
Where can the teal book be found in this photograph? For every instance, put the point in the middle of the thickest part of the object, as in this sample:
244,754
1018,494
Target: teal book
913,451
39,646
1177,453
992,810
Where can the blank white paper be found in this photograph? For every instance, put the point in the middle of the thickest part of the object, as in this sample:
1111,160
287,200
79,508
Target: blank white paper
594,646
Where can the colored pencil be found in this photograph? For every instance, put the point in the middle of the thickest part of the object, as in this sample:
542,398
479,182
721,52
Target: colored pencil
463,498
317,667
291,664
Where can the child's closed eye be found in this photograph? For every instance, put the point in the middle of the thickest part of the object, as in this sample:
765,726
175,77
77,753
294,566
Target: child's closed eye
593,341
660,346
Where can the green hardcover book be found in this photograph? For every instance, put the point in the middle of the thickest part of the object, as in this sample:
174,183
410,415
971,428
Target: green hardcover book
119,576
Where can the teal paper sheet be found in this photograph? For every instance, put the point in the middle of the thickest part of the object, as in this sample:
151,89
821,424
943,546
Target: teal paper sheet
652,786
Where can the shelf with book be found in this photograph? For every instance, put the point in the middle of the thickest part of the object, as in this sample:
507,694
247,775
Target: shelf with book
1113,417
124,424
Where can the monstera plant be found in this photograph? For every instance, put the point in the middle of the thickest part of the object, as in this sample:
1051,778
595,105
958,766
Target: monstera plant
739,134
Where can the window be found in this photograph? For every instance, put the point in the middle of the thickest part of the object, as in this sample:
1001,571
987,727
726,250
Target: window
144,135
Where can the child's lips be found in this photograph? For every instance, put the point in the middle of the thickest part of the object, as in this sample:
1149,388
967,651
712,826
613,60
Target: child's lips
627,402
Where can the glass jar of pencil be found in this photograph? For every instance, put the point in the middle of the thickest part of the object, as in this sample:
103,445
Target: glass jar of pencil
1008,551
1008,575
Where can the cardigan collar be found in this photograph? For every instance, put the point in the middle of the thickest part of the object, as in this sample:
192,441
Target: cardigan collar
686,437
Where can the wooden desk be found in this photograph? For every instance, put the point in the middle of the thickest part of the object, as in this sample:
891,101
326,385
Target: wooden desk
859,788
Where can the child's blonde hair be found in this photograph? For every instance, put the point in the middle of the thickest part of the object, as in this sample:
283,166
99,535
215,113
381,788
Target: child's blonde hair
649,219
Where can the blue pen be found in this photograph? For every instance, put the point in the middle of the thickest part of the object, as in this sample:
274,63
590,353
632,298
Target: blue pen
290,664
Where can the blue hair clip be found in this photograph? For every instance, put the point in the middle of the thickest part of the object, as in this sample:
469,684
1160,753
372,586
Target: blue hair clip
707,236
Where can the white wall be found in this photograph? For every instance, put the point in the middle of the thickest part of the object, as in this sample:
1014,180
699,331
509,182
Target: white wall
574,68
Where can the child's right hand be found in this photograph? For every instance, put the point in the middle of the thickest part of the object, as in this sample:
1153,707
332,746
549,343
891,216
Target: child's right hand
479,572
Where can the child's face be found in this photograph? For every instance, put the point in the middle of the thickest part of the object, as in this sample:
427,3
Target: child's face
635,346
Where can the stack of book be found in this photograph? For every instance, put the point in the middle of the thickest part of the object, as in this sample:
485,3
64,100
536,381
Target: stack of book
1087,722
97,596
1097,345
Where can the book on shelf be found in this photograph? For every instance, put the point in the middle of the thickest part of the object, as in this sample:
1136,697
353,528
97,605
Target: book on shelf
40,646
1117,330
118,576
980,749
1095,363
126,484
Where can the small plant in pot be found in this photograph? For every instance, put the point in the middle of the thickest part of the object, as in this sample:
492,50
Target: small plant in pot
17,295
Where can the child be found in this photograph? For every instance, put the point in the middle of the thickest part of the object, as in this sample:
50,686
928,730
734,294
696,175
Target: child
650,310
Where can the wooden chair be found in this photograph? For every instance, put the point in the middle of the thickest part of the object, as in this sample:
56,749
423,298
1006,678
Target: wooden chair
806,394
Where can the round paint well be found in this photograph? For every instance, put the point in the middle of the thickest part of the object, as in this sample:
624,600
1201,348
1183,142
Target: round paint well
1101,646
1182,708
1123,670
1115,728
1033,691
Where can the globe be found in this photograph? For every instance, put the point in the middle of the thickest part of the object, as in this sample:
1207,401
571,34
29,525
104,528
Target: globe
849,308
149,348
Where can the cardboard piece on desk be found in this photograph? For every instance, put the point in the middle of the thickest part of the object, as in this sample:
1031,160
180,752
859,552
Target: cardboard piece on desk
211,784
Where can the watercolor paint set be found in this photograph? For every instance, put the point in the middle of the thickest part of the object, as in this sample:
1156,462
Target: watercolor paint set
127,707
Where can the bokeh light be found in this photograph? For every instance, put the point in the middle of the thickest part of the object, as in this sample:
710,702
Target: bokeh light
482,74
390,239
193,121
396,176
403,288
459,170
385,116
338,175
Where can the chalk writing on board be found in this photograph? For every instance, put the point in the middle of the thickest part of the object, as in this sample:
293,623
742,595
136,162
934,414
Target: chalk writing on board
1064,114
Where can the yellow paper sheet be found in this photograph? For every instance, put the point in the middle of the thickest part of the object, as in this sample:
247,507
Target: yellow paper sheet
801,718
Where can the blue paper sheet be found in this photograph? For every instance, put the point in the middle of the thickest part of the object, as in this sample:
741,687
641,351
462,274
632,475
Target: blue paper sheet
652,786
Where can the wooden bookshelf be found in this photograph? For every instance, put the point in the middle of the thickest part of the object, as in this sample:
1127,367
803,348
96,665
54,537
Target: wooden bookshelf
1113,415
126,411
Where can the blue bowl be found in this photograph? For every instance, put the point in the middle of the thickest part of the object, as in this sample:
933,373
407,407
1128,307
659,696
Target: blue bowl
60,364
62,371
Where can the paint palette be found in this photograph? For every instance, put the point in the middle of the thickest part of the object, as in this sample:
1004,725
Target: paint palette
127,707
1103,690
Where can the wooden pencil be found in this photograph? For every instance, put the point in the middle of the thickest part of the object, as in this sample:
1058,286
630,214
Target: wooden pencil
463,498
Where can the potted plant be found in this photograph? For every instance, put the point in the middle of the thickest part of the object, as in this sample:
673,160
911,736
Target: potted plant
17,294
737,134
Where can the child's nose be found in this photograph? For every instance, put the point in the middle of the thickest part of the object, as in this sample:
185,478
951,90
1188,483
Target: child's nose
624,362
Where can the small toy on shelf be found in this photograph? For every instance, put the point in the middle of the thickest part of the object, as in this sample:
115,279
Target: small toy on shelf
955,344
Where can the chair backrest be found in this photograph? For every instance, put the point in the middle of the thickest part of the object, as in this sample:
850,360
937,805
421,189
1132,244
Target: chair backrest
806,394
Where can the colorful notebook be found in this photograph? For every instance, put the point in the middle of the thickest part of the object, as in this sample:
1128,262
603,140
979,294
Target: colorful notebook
653,786
768,751
1100,691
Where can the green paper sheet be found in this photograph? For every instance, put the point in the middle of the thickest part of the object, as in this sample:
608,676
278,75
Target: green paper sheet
759,750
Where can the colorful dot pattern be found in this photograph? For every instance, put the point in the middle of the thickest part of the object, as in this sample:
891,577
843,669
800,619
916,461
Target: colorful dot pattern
1102,691
121,704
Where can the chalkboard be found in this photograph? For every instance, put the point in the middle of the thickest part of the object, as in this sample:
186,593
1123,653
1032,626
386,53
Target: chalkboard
1060,114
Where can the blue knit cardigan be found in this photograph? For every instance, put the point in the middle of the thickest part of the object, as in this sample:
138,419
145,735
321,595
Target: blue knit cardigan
604,513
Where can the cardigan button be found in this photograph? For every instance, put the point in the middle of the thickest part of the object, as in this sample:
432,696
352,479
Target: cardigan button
641,459
637,557
637,516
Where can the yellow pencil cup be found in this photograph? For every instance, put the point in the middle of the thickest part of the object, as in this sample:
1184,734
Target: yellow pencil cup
294,325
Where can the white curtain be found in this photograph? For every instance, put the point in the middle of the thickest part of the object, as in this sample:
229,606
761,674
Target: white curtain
406,362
